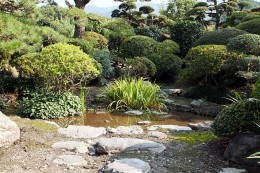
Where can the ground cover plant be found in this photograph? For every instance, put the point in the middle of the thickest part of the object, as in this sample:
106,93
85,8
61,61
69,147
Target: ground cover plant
133,93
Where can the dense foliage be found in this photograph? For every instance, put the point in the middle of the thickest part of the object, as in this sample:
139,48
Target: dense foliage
134,94
97,40
251,26
50,105
256,91
239,117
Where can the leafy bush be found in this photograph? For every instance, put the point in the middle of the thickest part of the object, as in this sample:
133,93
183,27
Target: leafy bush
138,46
256,91
247,43
203,62
149,31
3,104
219,37
207,92
84,45
239,117
250,17
251,26
60,66
97,40
140,67
185,33
134,93
236,17
50,105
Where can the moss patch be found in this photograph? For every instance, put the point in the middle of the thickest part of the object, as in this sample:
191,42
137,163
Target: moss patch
195,137
43,126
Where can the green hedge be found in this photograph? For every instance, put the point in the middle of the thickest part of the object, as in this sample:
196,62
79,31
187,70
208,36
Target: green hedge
251,26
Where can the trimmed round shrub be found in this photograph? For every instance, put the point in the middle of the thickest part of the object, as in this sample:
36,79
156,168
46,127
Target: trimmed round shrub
137,46
236,17
97,40
84,45
134,94
185,33
250,17
150,31
219,37
247,43
239,117
60,66
50,105
140,67
256,91
251,26
168,46
203,62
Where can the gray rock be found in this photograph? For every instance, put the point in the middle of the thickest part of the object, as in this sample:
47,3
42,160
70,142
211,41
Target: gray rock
169,101
52,123
134,112
9,131
169,127
82,131
79,147
233,170
206,125
70,160
144,122
197,103
157,134
158,113
173,91
113,145
127,166
129,130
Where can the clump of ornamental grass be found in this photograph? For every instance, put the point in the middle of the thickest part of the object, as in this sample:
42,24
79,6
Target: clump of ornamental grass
134,93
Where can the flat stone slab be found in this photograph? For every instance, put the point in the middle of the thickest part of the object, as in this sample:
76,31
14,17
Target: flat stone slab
157,134
82,131
113,145
70,160
80,147
126,130
159,113
9,131
169,127
206,125
233,170
134,112
132,165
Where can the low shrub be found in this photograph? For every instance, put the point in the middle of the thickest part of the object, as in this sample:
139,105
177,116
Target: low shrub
50,105
251,26
84,45
239,117
149,31
246,43
3,104
97,40
134,94
256,90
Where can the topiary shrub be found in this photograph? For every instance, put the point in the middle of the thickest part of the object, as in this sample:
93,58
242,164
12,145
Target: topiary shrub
239,117
137,46
250,17
60,66
236,17
84,45
140,67
97,40
149,31
185,33
203,63
219,37
247,43
256,90
251,26
134,94
50,105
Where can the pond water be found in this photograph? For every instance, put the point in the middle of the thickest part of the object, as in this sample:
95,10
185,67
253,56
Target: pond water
105,119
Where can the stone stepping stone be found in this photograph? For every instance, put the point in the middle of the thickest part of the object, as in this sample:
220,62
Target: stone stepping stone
70,160
79,147
126,130
233,170
113,145
82,131
201,126
9,131
132,165
169,127
157,134
134,112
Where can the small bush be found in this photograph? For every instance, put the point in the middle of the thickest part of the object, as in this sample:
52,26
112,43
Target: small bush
97,40
50,105
251,26
219,37
3,104
149,31
140,67
256,91
84,45
134,93
247,43
239,117
250,17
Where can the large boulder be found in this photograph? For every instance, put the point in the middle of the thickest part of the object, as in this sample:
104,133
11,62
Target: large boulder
9,131
242,146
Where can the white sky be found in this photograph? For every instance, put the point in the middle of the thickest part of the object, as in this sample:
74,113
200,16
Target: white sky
102,3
